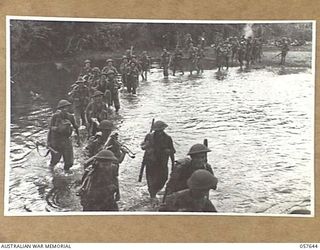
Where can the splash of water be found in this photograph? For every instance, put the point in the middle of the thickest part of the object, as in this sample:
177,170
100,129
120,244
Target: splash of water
248,30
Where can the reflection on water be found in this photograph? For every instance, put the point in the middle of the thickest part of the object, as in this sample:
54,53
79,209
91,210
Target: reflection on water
259,125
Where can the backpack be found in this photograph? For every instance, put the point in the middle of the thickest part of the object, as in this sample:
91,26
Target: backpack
84,191
65,127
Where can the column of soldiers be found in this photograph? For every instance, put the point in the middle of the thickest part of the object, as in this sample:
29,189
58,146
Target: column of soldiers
92,96
190,179
247,51
176,60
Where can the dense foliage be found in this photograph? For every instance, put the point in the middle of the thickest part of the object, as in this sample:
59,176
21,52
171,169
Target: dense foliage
52,39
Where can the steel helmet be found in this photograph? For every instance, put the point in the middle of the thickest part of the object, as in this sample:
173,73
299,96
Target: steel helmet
87,61
124,57
105,155
202,179
105,124
96,69
109,60
198,148
97,93
63,103
159,125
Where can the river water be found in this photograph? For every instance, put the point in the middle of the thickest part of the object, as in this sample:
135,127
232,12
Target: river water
259,125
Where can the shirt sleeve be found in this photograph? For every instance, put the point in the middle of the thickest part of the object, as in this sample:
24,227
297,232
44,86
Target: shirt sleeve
53,121
171,145
73,121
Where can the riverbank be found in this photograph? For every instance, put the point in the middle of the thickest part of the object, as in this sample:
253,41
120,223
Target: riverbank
54,78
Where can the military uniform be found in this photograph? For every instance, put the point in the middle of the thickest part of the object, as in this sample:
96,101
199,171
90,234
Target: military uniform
80,99
60,129
165,60
94,81
227,53
132,78
188,41
97,110
183,201
199,56
95,144
181,172
234,48
99,184
145,65
87,69
158,148
109,67
112,93
242,53
177,61
249,46
284,51
259,48
219,56
195,198
113,145
124,67
192,58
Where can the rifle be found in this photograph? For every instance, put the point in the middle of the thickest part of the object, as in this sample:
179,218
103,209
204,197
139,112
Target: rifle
88,162
205,142
143,164
131,51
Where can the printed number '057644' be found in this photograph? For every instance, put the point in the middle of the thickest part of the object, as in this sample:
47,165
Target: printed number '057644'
308,245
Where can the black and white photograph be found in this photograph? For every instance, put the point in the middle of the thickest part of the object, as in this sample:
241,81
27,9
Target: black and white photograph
158,117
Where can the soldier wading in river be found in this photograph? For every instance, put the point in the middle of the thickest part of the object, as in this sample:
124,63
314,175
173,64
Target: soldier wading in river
96,111
96,143
165,61
60,129
79,96
284,46
184,168
112,93
100,183
86,70
159,147
195,197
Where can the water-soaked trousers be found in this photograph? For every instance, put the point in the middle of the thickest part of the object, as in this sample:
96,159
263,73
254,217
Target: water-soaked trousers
113,98
156,175
177,65
132,83
79,115
64,149
110,205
